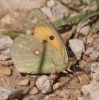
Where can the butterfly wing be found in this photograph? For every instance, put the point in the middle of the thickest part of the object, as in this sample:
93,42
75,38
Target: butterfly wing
31,54
39,25
40,48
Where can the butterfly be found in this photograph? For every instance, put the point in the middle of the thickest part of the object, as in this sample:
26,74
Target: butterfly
39,48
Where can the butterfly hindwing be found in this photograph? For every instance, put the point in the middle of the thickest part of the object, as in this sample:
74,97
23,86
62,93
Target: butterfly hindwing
32,55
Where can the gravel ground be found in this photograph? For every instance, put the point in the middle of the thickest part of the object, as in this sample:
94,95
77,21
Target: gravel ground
81,83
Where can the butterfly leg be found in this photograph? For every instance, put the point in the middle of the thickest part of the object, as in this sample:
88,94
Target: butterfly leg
69,70
65,71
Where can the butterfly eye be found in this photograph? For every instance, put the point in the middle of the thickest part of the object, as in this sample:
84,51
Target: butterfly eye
51,37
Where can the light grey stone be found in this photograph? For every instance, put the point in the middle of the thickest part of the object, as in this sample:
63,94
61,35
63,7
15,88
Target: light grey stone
84,31
33,90
12,94
24,82
77,47
5,45
44,84
60,11
47,11
56,86
94,66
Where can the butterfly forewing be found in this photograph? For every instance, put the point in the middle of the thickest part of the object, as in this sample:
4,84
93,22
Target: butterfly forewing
38,24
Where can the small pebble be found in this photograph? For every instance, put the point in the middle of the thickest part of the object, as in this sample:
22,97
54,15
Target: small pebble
95,71
6,63
85,65
90,41
95,36
95,95
50,3
94,66
47,11
6,71
94,55
86,58
87,89
63,81
84,30
44,84
63,93
56,86
50,97
84,79
24,82
60,11
5,45
82,64
33,90
89,50
96,42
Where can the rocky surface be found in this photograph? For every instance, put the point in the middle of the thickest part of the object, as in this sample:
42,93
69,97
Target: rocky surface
82,83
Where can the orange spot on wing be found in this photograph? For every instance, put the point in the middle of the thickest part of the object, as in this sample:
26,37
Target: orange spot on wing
44,33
